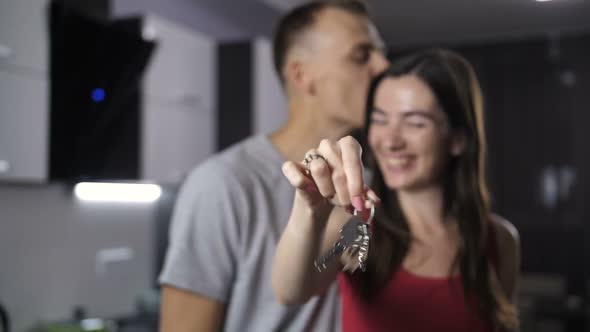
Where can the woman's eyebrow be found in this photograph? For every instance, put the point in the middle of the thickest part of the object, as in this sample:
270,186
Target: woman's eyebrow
409,113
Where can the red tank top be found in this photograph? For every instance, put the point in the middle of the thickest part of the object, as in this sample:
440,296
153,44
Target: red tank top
412,303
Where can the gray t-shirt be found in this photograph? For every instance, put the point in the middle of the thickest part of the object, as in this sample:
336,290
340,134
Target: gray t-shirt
229,216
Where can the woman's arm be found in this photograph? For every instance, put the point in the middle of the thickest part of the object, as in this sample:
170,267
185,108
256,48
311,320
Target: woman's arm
308,235
333,176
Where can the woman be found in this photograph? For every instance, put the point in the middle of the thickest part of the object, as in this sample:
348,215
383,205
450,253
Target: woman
439,260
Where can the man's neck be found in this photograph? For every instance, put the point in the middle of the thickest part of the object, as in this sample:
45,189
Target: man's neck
302,133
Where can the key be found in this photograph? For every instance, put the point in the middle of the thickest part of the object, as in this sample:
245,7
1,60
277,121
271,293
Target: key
322,262
355,256
351,236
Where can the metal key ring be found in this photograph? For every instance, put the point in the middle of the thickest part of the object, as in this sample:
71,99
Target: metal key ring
309,158
372,215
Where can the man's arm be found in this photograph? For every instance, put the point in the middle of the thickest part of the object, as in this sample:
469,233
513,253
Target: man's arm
185,311
202,254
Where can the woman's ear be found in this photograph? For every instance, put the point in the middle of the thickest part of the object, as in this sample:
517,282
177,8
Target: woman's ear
458,143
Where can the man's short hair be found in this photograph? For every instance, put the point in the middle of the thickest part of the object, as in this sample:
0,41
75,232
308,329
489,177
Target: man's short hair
292,25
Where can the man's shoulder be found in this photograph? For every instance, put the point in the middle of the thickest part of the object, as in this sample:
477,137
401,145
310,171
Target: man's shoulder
240,156
237,164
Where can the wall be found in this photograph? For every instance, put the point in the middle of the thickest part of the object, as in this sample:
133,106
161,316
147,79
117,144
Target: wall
49,241
220,19
48,247
269,105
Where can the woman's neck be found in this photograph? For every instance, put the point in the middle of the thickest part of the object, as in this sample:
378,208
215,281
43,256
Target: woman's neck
424,211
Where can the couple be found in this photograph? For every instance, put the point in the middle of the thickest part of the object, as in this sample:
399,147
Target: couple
438,257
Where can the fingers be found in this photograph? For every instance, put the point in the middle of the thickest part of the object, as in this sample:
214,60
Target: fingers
295,173
331,151
335,170
320,172
353,168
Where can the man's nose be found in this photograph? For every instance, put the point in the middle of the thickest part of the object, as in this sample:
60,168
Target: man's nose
378,63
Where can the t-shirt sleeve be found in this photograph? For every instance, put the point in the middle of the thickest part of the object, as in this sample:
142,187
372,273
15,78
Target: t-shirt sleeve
204,236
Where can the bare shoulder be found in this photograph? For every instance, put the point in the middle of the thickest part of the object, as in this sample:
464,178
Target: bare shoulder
507,235
508,244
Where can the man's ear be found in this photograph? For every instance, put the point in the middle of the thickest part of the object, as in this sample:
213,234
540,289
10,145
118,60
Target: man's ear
458,144
298,77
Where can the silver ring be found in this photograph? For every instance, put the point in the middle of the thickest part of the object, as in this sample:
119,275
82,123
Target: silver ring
309,158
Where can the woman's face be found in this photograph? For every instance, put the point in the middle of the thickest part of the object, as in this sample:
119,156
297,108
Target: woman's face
409,134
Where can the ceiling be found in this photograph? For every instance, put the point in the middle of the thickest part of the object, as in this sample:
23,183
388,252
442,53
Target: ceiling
419,22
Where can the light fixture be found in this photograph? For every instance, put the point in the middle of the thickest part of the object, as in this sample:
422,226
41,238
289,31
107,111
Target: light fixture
92,324
98,95
117,192
4,166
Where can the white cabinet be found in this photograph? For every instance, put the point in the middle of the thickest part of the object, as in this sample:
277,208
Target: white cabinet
24,34
177,138
178,121
182,67
178,124
23,128
23,90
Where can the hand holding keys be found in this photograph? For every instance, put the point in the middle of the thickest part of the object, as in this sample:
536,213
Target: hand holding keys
353,245
332,175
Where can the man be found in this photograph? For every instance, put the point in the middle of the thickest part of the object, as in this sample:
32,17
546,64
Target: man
233,208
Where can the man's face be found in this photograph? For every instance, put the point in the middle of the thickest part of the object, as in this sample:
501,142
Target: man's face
347,54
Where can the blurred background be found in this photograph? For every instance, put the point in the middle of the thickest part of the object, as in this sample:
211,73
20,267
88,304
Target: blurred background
106,105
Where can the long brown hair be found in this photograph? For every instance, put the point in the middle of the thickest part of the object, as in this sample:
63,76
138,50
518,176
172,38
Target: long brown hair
466,197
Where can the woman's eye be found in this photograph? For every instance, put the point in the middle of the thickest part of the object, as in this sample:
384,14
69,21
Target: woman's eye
378,121
417,124
416,121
